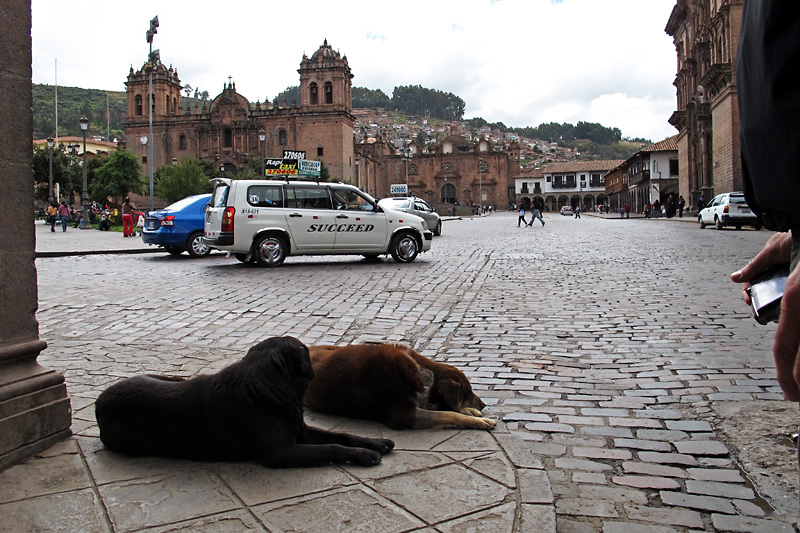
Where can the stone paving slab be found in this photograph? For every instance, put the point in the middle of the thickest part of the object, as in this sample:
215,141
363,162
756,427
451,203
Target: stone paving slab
434,480
614,350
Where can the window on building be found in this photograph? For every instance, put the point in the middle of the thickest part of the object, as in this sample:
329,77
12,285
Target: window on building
320,151
282,137
166,104
673,167
595,180
138,105
412,169
312,94
328,92
227,138
182,142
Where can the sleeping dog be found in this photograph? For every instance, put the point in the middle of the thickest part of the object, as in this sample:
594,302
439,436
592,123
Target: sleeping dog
393,384
251,410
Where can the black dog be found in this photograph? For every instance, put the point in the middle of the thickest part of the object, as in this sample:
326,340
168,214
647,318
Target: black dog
249,411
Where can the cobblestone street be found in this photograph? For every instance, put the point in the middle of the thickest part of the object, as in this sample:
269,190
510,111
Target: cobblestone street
617,350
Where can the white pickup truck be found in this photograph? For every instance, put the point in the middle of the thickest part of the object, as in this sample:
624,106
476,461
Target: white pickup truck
266,221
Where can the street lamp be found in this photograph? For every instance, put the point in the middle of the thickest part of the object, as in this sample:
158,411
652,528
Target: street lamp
406,158
85,224
262,136
480,183
50,149
152,60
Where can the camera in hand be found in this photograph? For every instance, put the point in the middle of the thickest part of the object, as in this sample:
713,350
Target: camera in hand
766,292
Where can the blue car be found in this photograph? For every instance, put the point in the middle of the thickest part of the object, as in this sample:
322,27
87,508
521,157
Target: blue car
179,227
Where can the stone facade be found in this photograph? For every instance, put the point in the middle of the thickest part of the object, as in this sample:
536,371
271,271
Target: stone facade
706,37
227,130
34,408
455,171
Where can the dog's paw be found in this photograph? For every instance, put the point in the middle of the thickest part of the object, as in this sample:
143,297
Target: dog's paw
365,457
469,411
485,423
383,446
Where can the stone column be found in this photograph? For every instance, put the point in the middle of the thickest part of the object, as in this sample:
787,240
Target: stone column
34,408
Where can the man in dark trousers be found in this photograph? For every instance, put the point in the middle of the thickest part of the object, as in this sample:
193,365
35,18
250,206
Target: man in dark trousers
769,110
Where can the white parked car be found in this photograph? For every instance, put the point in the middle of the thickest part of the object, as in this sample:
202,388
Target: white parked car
729,209
415,206
265,221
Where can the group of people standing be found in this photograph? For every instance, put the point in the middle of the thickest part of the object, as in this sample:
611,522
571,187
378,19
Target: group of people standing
59,213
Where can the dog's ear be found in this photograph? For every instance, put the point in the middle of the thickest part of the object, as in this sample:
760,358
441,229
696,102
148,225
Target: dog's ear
286,355
450,391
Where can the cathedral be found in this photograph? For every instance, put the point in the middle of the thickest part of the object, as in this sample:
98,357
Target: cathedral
228,131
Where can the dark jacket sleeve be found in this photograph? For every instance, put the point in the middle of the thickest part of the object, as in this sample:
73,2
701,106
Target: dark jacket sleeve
769,110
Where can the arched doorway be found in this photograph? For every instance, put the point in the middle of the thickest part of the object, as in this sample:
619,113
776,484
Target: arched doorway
448,193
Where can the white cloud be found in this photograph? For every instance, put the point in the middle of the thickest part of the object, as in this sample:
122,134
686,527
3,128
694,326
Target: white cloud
522,62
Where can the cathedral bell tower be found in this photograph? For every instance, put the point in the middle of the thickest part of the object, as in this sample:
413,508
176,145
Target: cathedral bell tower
325,81
166,92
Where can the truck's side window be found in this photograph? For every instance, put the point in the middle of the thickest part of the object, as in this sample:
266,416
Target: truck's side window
265,195
308,198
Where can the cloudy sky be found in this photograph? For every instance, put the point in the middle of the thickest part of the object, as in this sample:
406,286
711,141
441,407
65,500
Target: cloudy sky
520,62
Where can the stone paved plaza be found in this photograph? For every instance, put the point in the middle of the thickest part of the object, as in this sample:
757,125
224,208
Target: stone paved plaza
617,351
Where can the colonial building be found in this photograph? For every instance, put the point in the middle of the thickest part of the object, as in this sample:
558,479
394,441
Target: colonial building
455,171
226,131
573,183
650,174
706,36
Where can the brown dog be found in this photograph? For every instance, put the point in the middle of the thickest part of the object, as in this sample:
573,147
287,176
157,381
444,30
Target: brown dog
393,384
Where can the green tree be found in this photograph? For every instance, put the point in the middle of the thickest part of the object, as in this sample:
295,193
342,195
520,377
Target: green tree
173,182
369,98
120,175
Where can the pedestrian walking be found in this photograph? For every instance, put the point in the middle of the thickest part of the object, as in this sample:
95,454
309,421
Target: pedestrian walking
52,213
627,210
681,205
536,210
127,217
522,217
577,211
63,215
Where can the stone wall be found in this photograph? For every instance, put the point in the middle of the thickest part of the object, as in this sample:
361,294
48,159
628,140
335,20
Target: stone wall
34,409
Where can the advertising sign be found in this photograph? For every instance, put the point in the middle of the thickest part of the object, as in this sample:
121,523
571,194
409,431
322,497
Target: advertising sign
294,154
274,167
398,188
309,167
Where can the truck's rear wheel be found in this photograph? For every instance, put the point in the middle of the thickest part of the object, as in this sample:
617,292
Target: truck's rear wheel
270,250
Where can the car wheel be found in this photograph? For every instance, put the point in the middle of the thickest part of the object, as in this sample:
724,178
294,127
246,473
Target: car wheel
404,248
270,250
197,246
718,223
173,250
700,220
438,229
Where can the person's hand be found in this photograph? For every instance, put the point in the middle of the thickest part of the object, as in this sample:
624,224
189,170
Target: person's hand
786,348
777,250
